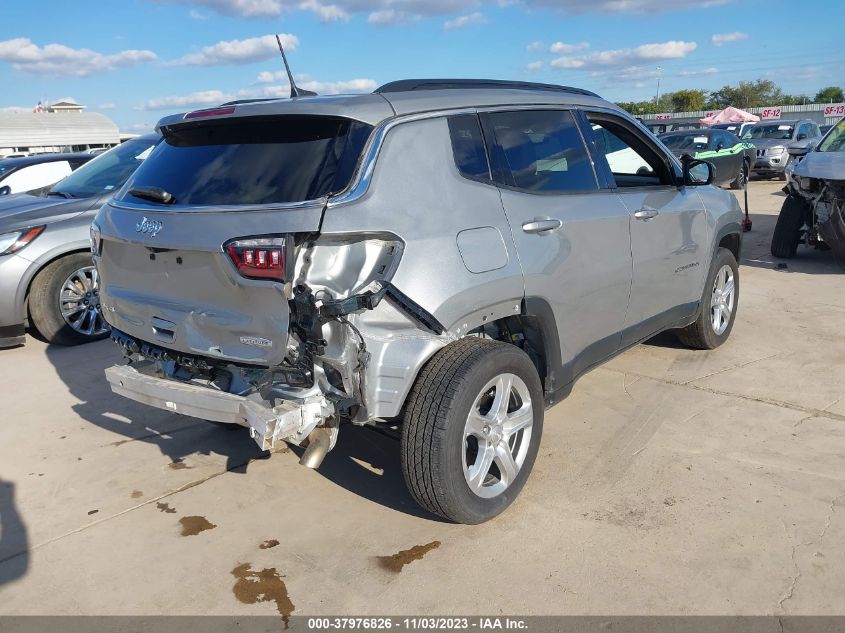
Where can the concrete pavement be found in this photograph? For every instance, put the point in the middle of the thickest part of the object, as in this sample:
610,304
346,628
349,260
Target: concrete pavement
670,481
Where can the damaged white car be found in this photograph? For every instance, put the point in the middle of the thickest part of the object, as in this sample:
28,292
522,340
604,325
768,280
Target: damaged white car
814,210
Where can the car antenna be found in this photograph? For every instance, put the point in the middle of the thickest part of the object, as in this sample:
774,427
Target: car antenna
294,90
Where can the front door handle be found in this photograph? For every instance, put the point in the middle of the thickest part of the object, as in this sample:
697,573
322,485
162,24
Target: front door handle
646,213
540,226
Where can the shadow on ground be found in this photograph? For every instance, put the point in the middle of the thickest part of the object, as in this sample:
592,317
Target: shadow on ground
365,462
81,369
14,543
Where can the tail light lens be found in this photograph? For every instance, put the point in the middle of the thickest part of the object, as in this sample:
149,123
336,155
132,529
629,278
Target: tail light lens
260,258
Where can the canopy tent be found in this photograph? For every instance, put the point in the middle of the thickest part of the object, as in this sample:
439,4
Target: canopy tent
730,115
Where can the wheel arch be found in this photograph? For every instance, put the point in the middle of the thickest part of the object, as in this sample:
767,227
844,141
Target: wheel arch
39,265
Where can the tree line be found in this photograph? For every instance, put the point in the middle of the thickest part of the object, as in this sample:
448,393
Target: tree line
746,94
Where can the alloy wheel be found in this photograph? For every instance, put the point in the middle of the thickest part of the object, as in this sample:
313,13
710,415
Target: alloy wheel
722,300
497,435
79,302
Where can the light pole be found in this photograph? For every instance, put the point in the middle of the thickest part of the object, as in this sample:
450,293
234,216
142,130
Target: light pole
657,98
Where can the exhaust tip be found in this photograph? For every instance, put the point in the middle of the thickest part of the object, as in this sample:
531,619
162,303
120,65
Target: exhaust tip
319,442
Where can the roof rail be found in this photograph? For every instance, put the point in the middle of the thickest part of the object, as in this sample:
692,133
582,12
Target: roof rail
406,85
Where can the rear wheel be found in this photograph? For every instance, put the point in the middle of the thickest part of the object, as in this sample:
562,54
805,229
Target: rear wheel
472,429
718,305
787,233
741,180
64,301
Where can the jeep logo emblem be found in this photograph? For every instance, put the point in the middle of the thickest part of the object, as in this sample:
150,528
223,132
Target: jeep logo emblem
152,227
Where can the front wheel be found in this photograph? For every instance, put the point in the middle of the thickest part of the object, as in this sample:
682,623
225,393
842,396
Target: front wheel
718,305
472,429
787,234
64,301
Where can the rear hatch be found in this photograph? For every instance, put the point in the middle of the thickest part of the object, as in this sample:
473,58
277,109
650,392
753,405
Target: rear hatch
191,252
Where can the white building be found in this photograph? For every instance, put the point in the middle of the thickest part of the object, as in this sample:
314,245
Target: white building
61,127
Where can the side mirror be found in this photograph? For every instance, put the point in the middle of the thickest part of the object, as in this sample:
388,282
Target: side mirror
5,191
802,136
697,172
800,149
720,147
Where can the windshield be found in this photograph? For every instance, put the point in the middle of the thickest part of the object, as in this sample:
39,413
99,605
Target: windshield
253,161
695,142
835,139
107,172
780,131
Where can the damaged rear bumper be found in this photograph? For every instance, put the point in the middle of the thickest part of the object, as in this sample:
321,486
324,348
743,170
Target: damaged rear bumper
289,421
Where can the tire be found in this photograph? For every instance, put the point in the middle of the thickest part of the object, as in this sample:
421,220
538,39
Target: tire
45,301
436,450
787,233
782,175
703,333
741,180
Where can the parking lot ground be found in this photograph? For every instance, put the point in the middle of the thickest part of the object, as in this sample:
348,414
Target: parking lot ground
670,481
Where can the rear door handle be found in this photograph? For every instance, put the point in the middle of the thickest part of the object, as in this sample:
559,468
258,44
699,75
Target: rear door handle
646,213
539,226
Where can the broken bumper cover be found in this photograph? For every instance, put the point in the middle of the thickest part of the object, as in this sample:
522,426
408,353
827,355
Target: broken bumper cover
289,421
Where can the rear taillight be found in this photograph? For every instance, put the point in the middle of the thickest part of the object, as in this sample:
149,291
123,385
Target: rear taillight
259,258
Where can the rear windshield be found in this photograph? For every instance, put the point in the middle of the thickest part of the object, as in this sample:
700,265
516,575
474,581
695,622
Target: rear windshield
263,160
685,141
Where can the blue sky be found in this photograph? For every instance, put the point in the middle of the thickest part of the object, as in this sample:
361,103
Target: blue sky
139,60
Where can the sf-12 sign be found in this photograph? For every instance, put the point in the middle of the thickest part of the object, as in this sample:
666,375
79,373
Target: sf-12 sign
834,109
770,113
662,117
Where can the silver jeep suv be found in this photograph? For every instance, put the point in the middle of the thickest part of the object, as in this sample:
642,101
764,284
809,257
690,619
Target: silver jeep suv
442,256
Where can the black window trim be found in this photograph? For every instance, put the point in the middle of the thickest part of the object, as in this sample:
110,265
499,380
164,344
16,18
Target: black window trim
484,181
601,161
500,173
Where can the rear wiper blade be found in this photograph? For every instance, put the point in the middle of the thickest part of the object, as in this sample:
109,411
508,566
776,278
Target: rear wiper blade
153,194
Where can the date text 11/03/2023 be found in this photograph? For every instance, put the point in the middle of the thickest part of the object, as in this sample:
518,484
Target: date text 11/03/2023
417,623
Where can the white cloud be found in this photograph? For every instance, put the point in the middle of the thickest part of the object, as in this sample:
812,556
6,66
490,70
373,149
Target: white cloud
622,6
560,48
535,47
724,38
534,65
626,57
325,12
246,8
386,17
464,20
192,100
58,59
239,51
282,89
388,12
196,15
699,72
274,85
105,106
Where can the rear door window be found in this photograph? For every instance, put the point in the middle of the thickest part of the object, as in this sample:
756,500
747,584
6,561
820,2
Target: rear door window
540,151
254,161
